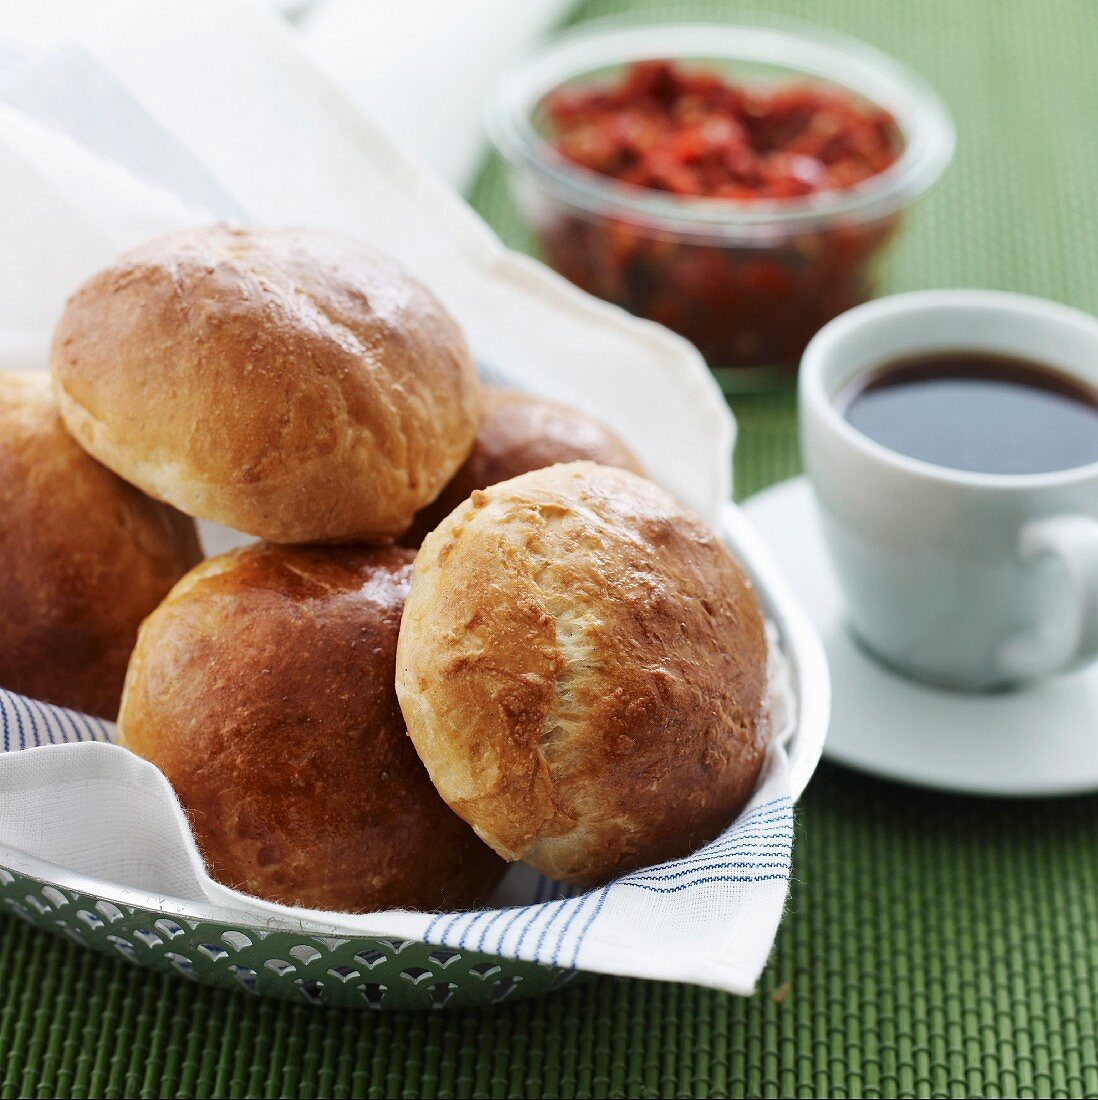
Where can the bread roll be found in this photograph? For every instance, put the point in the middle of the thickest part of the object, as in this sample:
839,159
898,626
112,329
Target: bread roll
292,384
582,667
263,689
520,433
84,557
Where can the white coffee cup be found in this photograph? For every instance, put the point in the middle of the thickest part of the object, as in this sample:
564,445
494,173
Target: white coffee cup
967,580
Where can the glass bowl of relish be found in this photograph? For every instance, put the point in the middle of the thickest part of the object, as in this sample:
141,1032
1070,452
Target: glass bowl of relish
737,183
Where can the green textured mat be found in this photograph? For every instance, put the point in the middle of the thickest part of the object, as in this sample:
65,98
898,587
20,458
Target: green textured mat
933,946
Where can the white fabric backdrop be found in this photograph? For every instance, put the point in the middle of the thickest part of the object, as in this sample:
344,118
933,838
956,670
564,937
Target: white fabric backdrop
421,68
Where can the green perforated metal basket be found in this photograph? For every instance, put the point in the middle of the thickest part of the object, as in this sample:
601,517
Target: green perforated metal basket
205,944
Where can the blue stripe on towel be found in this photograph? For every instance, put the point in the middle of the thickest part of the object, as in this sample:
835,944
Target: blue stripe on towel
705,882
27,723
484,931
14,702
755,849
568,924
522,911
587,927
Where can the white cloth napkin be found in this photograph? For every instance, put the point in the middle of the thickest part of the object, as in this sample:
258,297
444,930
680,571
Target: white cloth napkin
165,114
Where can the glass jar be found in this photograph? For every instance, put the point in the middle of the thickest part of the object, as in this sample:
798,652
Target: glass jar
748,281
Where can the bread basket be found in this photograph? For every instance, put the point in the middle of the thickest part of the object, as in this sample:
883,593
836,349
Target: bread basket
669,410
292,961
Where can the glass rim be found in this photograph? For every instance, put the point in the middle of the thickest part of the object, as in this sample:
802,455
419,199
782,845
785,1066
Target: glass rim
924,122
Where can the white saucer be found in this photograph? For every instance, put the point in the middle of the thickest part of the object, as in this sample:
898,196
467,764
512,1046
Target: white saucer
1037,741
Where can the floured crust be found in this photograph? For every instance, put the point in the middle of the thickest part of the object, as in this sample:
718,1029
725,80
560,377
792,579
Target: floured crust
84,557
582,667
290,383
263,689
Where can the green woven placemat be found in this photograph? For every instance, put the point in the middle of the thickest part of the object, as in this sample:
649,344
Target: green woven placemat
933,945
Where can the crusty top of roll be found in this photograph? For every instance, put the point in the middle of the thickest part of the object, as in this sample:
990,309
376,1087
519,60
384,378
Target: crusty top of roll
84,557
263,689
291,383
582,667
520,433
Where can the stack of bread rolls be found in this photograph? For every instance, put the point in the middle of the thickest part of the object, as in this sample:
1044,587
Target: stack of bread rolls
471,632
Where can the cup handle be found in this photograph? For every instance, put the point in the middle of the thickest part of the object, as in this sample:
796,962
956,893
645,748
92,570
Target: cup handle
1071,540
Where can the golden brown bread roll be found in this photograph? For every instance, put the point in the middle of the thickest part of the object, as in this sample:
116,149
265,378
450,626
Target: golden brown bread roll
263,689
520,433
582,667
84,557
293,384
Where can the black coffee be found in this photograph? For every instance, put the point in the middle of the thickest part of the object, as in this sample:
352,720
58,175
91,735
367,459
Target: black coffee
972,410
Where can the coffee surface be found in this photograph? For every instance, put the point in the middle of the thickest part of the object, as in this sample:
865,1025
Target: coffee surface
977,411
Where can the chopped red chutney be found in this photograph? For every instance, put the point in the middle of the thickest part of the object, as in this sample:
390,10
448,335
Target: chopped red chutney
691,133
687,132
